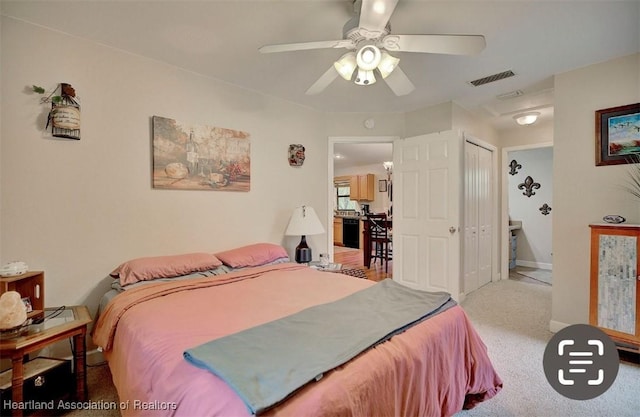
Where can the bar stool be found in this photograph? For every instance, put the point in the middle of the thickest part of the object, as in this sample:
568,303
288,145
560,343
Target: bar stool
380,239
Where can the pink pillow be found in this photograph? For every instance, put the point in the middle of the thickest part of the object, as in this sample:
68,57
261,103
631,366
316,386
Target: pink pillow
146,269
252,255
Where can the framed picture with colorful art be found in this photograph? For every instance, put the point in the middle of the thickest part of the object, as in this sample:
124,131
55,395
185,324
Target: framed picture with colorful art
618,135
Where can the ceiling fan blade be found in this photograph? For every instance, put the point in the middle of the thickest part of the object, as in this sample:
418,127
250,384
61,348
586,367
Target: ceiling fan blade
323,82
374,16
301,46
435,44
399,83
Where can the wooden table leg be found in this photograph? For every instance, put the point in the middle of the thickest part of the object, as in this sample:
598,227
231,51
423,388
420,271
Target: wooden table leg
80,365
17,383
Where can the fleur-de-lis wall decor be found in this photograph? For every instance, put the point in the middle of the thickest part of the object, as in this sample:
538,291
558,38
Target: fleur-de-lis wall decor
515,166
528,186
545,209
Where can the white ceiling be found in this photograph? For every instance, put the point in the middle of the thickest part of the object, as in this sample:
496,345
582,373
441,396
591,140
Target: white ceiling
220,39
361,154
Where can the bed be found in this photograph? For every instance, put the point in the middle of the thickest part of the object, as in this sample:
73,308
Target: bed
435,367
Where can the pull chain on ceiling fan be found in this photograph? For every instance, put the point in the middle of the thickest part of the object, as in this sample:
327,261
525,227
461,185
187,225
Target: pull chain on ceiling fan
368,37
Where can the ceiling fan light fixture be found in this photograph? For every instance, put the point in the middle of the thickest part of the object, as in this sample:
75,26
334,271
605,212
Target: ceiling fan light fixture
526,119
365,77
387,64
346,65
368,57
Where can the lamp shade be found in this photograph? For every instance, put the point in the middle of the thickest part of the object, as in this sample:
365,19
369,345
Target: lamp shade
304,221
387,64
346,65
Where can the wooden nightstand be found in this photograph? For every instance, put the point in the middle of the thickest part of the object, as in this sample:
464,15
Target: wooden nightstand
29,284
70,323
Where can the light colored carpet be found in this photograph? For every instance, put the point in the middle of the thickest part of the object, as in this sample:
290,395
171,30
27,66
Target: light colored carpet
101,393
542,275
512,318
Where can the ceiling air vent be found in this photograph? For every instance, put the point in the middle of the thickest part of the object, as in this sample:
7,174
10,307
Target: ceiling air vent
511,94
492,78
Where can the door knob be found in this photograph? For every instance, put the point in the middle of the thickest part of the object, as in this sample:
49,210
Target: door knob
452,230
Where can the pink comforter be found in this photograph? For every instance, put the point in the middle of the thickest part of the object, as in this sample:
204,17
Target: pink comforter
434,368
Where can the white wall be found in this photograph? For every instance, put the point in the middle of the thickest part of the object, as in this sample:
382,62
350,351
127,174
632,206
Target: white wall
584,193
76,209
534,239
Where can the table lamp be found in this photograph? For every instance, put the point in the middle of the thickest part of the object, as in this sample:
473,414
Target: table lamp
304,221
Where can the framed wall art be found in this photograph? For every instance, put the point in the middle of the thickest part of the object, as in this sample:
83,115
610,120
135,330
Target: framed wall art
200,157
617,134
382,186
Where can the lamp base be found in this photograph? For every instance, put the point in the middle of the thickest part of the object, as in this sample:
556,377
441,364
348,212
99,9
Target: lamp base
303,252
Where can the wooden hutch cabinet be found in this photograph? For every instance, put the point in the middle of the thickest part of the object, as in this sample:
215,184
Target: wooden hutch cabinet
29,284
614,304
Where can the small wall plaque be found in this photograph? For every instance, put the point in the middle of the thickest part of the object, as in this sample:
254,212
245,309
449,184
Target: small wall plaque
296,155
614,219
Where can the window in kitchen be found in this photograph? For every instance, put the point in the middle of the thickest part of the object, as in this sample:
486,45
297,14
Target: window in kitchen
343,202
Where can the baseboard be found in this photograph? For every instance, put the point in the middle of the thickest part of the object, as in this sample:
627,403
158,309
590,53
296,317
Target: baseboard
539,265
556,326
95,357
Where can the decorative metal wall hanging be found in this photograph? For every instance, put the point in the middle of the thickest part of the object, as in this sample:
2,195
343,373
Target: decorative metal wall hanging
64,116
528,185
545,209
296,155
200,157
515,166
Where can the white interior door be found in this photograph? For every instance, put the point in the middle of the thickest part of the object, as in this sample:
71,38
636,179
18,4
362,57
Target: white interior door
478,217
485,215
470,228
426,213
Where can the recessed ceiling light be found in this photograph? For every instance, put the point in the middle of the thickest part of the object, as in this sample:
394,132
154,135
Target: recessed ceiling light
525,119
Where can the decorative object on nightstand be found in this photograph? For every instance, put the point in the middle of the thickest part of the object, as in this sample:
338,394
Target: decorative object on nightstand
330,267
304,221
13,312
14,268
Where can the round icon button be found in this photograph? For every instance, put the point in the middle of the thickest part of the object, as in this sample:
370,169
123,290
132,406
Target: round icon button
581,362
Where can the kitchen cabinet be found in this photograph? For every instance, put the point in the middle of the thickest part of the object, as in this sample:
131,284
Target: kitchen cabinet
614,303
362,187
337,231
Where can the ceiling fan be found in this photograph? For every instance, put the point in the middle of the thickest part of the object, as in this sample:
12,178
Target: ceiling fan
367,36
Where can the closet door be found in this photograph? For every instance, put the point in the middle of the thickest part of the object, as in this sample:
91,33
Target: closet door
470,249
485,215
478,214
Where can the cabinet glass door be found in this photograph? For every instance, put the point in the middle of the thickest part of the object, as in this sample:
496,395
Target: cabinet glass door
617,263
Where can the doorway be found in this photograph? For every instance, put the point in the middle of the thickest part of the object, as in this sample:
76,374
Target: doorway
380,202
527,212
